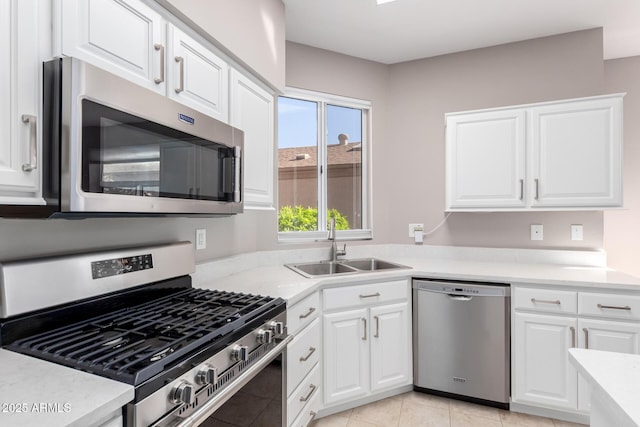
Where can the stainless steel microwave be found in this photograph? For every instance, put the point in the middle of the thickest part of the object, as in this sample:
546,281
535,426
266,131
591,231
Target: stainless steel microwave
111,147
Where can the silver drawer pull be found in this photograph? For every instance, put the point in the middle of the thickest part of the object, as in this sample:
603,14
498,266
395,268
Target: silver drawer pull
160,79
308,313
586,337
545,301
312,415
364,324
32,121
180,61
377,294
573,336
311,351
613,307
377,334
308,396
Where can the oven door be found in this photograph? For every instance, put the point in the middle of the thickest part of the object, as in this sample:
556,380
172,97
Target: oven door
256,398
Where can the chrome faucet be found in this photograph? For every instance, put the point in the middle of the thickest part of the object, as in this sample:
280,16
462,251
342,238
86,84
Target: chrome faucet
335,252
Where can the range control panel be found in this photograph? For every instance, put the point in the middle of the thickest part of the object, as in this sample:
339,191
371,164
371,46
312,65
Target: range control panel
115,266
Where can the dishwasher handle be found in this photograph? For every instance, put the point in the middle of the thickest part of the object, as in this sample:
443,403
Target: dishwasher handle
457,297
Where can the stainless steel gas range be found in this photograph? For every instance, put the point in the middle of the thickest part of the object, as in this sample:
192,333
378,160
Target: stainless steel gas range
132,315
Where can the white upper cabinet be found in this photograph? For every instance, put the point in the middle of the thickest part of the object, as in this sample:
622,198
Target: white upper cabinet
134,41
557,155
252,110
196,76
24,26
577,153
125,37
486,159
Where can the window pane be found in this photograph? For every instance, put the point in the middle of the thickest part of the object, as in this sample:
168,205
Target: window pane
344,165
297,165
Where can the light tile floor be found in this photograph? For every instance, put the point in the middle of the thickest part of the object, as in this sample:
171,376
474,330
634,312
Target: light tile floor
424,410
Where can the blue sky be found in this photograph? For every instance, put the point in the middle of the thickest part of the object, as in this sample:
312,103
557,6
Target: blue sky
297,125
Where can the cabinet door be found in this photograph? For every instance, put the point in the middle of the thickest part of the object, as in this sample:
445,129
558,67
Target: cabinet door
485,160
577,153
621,337
346,355
125,37
252,111
24,32
390,346
196,76
541,370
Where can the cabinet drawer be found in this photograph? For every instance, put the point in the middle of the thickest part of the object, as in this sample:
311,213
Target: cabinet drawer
303,313
308,412
308,389
548,300
361,295
606,305
302,354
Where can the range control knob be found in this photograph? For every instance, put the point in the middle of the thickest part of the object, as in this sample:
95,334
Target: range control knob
240,353
264,336
207,375
276,327
182,393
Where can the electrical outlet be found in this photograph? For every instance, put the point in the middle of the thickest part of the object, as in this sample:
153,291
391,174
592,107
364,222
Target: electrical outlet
576,232
201,238
536,231
413,228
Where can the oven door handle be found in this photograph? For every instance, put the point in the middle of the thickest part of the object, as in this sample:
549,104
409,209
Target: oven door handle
211,406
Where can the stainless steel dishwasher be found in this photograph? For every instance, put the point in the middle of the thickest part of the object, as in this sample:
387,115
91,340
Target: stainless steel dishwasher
461,340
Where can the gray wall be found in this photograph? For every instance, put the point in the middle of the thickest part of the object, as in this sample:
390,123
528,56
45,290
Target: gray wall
622,227
409,102
250,31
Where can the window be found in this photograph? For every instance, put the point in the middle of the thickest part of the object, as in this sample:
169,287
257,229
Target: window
323,152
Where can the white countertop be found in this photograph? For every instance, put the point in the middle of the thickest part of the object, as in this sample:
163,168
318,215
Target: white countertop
39,393
278,281
615,379
69,397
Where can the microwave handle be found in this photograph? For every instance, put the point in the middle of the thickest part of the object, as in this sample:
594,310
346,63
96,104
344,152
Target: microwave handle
237,154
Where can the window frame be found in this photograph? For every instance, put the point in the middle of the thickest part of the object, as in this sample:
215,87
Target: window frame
324,99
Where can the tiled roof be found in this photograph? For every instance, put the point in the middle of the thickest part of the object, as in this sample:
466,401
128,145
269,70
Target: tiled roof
307,156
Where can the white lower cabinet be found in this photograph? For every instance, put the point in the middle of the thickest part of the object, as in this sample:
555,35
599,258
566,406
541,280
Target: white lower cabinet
606,335
541,372
304,373
367,348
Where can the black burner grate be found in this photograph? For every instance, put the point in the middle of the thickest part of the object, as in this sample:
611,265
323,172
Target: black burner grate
137,343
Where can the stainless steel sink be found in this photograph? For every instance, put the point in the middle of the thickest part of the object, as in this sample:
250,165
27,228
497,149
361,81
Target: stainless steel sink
347,266
372,264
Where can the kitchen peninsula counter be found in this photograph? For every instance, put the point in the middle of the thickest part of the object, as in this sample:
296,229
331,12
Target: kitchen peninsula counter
39,393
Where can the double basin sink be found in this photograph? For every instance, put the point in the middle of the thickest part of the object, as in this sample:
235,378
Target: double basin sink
347,266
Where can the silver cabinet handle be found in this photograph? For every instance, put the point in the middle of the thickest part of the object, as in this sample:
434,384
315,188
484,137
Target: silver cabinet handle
586,337
573,336
377,294
312,415
160,47
308,313
537,182
313,388
377,334
180,60
311,351
613,307
545,301
521,189
32,121
364,324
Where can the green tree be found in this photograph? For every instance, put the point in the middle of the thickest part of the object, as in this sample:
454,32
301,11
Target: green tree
298,218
